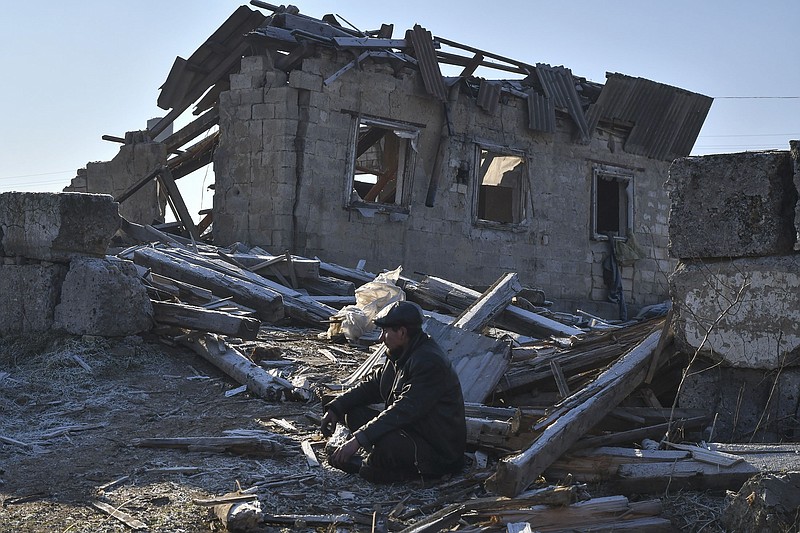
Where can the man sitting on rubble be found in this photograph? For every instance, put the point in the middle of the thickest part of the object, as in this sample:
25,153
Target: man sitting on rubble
421,431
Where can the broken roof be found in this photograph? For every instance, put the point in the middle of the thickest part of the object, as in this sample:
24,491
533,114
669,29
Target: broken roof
663,121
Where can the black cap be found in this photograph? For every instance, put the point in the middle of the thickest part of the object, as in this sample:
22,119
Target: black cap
399,314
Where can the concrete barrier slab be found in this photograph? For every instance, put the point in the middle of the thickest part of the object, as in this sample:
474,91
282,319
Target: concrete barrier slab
103,297
29,294
56,226
743,313
732,205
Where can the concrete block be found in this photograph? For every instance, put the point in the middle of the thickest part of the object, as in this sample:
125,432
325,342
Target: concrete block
103,297
248,80
275,78
255,96
29,294
745,403
744,313
256,63
731,205
244,112
305,80
263,111
56,226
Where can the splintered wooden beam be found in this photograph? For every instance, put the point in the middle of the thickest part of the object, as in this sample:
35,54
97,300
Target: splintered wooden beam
473,64
192,130
208,320
177,204
267,303
255,446
490,303
516,473
138,185
236,365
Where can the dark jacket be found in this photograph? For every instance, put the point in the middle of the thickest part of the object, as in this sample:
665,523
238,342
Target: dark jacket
422,395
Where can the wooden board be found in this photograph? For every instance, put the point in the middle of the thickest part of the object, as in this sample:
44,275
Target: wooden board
515,473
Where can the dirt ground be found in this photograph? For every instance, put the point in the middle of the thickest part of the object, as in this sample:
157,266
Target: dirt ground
70,409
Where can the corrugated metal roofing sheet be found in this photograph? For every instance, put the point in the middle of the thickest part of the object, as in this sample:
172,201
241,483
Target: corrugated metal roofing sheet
541,113
428,64
559,86
489,96
665,121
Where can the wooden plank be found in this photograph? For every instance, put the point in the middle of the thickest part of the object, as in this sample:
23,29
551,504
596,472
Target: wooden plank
656,431
192,130
494,300
524,66
311,457
687,474
584,355
304,268
357,277
666,337
147,233
139,184
181,212
266,302
593,514
254,446
196,156
198,318
327,286
290,266
451,514
308,520
558,376
123,517
515,473
703,455
473,64
297,305
512,318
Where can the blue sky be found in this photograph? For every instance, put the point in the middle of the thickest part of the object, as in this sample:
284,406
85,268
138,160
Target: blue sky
75,70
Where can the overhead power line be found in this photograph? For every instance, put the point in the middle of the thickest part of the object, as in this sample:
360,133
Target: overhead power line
35,175
752,135
758,97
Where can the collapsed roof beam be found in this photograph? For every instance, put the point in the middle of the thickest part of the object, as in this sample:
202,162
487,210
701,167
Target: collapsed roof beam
197,91
523,66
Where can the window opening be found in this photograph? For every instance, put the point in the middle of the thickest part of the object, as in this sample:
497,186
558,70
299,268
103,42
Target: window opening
612,203
383,163
502,190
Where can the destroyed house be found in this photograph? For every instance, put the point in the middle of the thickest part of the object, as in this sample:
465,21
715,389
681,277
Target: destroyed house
370,146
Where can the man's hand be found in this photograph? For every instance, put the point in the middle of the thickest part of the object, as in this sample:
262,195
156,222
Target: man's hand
328,424
344,452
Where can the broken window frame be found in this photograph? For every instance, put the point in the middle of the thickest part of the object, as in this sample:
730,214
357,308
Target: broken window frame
524,207
602,177
408,136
